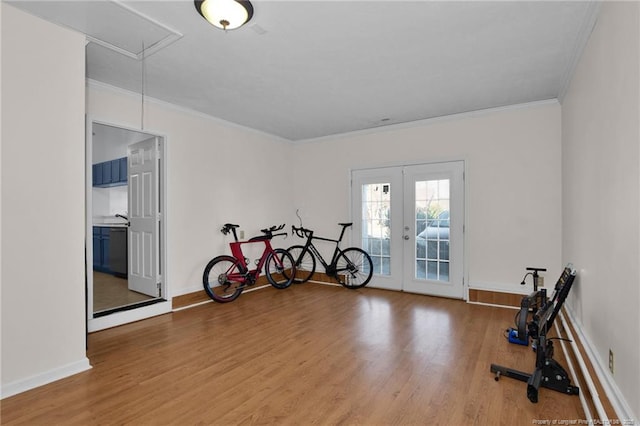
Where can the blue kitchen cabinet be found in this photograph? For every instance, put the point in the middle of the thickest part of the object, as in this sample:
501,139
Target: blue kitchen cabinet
104,246
97,248
106,173
101,240
110,173
123,169
115,170
97,174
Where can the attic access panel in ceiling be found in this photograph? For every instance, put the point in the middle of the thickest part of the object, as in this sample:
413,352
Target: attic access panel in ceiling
133,34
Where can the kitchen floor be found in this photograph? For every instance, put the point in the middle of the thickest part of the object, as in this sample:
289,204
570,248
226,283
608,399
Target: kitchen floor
111,292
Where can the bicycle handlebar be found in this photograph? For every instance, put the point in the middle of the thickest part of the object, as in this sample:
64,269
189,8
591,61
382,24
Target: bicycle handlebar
272,229
301,232
269,232
308,233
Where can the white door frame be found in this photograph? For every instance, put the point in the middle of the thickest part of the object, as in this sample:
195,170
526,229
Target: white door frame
126,316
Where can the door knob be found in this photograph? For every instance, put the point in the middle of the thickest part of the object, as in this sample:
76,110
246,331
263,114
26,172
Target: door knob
406,237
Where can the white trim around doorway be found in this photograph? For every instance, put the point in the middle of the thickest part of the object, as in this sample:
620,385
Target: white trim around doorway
143,312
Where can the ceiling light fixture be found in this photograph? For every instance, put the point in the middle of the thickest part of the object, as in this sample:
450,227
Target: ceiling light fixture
225,14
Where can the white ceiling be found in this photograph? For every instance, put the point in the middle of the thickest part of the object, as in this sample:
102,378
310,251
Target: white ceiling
307,69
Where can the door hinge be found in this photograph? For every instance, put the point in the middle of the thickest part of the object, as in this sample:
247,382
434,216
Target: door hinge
159,289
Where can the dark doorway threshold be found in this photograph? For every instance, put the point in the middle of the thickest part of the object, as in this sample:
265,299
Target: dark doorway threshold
127,307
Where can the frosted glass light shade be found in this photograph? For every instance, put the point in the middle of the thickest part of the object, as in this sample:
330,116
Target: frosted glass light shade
225,14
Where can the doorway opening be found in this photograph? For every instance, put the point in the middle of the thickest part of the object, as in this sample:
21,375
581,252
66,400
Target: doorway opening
125,220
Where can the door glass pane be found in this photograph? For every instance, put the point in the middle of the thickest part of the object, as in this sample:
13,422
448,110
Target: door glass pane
432,230
376,225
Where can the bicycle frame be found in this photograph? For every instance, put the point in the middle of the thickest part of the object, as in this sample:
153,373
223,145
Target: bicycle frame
236,251
246,274
310,247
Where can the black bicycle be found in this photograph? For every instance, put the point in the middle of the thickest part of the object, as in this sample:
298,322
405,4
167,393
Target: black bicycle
351,267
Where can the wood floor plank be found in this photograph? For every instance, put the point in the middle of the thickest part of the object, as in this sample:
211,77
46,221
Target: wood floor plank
311,354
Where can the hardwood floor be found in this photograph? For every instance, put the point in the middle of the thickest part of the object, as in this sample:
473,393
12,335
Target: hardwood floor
112,292
310,354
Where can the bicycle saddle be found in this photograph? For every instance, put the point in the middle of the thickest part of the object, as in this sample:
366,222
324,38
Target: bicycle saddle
227,227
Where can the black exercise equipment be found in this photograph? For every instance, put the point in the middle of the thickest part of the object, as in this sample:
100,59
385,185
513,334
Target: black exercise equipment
548,372
519,334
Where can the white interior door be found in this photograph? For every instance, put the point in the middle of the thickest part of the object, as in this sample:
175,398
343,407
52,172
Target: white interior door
144,216
410,220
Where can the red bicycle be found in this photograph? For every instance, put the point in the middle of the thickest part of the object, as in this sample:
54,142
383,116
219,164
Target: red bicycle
225,277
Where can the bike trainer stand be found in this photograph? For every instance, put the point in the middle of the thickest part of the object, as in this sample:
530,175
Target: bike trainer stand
548,372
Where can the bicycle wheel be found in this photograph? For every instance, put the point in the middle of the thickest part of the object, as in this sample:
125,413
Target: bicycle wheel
222,278
279,268
354,268
305,266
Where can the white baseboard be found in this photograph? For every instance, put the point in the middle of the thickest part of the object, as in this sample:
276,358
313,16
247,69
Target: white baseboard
32,382
617,399
493,305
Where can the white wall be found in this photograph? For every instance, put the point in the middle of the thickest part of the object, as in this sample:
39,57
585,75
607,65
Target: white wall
43,303
216,173
107,202
513,183
110,143
109,150
601,176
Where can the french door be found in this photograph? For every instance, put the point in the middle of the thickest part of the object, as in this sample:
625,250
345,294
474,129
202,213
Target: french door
410,220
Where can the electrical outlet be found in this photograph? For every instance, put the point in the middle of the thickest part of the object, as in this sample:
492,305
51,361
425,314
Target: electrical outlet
540,281
611,361
242,235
